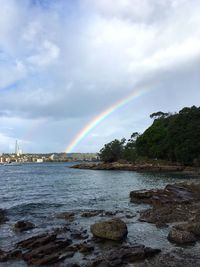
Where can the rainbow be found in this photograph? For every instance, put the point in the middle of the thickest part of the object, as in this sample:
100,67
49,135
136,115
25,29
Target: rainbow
101,116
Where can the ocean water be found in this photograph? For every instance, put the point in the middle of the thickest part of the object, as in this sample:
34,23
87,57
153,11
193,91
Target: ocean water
38,192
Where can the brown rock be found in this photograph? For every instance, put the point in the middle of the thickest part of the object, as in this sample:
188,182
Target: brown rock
66,216
123,256
182,193
85,248
192,227
181,237
92,213
114,229
21,226
36,241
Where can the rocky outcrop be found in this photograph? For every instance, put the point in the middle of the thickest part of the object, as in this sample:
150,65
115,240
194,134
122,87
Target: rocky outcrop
114,229
171,259
68,216
171,213
123,256
129,167
182,193
21,226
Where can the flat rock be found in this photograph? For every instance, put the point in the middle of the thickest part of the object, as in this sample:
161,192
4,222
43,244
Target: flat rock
45,249
183,193
122,256
171,259
172,213
114,229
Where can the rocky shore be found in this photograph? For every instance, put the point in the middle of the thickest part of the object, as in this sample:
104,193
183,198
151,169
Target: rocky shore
105,243
137,167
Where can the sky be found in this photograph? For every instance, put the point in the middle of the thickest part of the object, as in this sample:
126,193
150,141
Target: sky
63,62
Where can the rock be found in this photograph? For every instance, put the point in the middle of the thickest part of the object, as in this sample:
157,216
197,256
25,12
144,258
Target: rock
3,217
92,213
77,234
69,216
72,265
85,247
124,255
182,193
129,167
181,237
10,255
36,241
168,213
45,249
21,226
192,227
171,259
110,213
114,229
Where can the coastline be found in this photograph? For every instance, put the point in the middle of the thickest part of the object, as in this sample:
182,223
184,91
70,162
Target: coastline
138,167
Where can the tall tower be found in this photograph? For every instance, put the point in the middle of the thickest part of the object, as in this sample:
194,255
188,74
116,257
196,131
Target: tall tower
16,148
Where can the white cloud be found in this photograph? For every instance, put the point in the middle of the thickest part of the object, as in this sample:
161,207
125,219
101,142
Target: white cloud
73,65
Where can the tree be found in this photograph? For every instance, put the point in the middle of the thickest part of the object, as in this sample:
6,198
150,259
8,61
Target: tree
158,115
112,151
175,137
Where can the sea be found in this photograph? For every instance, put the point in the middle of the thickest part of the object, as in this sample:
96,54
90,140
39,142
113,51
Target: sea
39,192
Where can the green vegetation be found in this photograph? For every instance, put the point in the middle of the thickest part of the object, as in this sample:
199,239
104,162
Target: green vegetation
171,137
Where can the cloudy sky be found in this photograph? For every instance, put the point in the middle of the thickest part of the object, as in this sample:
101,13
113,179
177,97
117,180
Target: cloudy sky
62,62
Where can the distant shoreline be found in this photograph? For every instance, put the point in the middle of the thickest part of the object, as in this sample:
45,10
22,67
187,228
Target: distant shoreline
137,167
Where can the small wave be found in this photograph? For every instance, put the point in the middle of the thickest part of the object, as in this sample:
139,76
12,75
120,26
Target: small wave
29,208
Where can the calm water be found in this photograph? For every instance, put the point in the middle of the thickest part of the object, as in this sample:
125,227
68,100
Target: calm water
37,192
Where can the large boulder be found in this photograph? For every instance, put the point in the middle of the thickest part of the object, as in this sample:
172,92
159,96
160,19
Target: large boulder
192,227
181,237
114,229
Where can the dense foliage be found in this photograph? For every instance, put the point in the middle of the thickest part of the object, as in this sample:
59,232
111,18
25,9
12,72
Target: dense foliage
172,137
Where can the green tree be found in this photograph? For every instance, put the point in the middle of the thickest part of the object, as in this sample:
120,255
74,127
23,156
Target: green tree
112,151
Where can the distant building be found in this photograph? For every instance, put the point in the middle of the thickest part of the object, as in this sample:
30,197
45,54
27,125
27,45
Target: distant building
39,160
18,151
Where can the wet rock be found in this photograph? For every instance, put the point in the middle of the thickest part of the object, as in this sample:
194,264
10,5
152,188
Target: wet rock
181,237
79,234
10,255
92,213
110,213
21,226
166,214
45,249
72,265
3,217
36,241
114,229
69,216
85,247
128,167
182,193
129,216
170,260
123,256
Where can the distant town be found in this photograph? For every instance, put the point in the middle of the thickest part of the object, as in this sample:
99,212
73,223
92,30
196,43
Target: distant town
19,157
